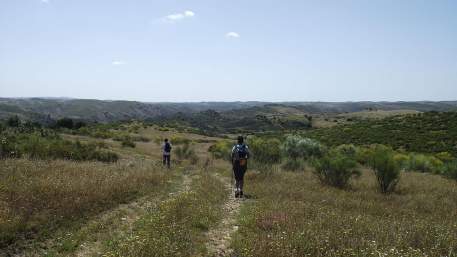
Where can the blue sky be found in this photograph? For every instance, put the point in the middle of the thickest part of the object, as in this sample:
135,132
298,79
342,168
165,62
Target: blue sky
188,50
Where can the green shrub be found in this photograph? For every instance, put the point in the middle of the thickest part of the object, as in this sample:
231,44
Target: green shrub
386,169
335,169
265,151
348,150
8,147
424,163
45,145
444,157
402,160
65,123
296,147
221,150
128,143
450,170
13,121
363,154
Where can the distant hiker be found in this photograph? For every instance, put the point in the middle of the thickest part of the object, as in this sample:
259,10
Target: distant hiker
166,149
240,156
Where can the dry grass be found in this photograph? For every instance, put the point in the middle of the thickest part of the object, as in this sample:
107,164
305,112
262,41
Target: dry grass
177,226
38,197
294,215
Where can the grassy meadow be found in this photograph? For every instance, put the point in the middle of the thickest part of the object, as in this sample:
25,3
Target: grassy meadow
293,214
101,190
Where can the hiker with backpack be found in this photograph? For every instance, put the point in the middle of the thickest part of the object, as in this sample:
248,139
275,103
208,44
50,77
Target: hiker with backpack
240,156
166,150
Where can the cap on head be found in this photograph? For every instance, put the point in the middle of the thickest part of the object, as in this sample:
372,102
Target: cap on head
240,139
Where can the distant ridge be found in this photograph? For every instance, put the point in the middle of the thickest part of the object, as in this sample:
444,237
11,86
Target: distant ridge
118,110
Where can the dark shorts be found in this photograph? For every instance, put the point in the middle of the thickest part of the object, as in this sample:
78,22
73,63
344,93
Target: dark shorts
239,170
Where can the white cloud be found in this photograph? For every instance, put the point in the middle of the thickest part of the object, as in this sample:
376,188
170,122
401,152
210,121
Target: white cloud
189,14
178,16
232,35
117,63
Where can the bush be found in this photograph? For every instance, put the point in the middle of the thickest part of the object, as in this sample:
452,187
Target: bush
348,150
13,121
65,123
8,147
128,143
444,157
402,160
40,145
296,147
221,150
450,170
424,163
386,169
265,151
335,169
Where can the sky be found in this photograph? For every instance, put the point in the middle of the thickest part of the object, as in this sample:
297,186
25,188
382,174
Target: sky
237,50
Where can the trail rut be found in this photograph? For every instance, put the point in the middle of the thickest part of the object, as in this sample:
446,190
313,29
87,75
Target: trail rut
220,236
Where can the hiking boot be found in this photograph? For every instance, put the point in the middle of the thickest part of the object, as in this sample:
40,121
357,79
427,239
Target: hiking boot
240,194
237,194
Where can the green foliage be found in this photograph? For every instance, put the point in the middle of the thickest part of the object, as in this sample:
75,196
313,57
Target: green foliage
402,160
45,144
335,169
221,150
348,150
296,147
386,168
127,142
424,163
69,123
431,132
450,170
444,156
265,151
65,123
8,147
13,121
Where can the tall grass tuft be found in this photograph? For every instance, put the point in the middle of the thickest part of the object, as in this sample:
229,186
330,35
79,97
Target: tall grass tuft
386,168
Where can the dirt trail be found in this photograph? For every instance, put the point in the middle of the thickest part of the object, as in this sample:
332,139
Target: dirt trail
221,235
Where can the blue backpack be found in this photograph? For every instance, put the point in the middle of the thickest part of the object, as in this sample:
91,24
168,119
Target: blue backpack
241,152
167,147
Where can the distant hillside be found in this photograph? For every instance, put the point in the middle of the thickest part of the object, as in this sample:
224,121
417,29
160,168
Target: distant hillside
429,132
40,109
103,111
